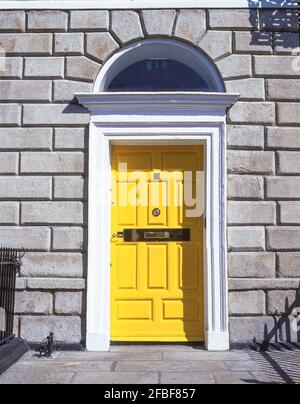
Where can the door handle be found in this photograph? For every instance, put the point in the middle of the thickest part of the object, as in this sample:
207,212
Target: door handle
120,234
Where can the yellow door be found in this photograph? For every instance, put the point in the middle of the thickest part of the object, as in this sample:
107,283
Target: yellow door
157,274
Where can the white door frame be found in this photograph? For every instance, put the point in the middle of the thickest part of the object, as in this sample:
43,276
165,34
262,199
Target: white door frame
157,118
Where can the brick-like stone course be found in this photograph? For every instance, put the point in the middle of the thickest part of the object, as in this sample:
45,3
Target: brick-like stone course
34,303
235,66
245,137
247,303
25,138
9,163
280,301
289,264
289,113
25,90
23,44
249,89
52,54
54,283
71,187
47,20
289,212
246,329
245,187
25,187
283,138
289,162
283,237
264,284
69,138
269,66
65,328
68,303
233,19
59,265
252,265
283,89
246,238
12,21
251,162
12,67
58,162
54,114
69,44
89,20
48,67
64,90
9,213
10,115
283,187
251,213
26,237
52,213
253,42
67,238
254,112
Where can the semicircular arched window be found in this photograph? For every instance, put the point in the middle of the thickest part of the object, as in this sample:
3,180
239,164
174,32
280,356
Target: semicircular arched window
158,75
159,66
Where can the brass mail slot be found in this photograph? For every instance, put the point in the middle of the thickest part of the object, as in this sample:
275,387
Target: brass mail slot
147,235
157,235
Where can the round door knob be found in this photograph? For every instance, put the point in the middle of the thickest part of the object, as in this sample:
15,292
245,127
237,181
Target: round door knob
156,212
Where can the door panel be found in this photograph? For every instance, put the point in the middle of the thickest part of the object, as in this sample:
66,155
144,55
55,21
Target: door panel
156,286
157,266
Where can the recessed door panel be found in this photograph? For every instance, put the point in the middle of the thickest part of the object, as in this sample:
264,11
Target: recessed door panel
157,266
126,279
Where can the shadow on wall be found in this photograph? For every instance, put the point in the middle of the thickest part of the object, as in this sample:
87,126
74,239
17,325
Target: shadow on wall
286,325
278,27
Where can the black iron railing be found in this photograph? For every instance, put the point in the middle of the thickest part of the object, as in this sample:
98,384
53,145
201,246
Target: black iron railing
9,267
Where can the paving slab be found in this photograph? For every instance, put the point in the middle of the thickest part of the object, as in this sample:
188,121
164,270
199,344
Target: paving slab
232,377
116,378
111,356
186,378
240,365
205,355
35,376
170,366
68,366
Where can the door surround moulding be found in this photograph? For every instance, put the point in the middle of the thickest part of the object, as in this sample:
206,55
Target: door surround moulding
157,118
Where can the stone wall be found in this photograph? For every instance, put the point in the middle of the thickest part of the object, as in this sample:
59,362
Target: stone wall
44,147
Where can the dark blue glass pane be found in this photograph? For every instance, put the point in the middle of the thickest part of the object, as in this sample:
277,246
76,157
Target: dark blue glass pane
158,75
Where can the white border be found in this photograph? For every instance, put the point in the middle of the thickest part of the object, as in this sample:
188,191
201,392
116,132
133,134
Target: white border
144,4
151,118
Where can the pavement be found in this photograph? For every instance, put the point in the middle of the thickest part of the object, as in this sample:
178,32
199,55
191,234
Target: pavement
156,364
